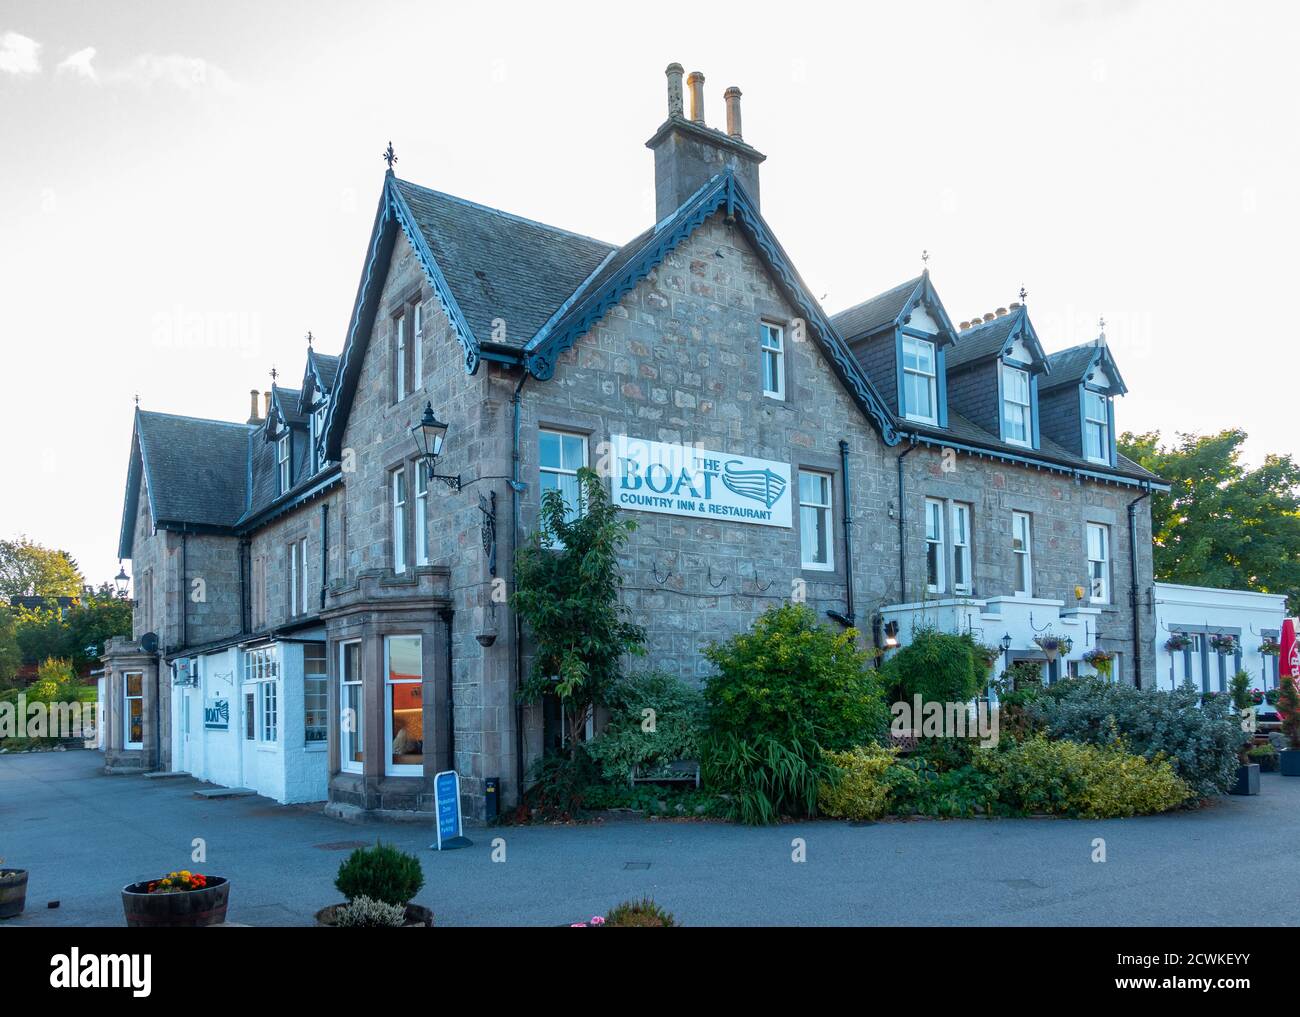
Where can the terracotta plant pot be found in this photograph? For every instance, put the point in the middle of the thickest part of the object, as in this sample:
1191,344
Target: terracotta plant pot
13,892
417,916
188,909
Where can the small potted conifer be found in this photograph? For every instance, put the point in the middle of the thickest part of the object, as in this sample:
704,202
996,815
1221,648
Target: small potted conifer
1247,768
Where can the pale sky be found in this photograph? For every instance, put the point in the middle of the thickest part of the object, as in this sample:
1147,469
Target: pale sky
186,188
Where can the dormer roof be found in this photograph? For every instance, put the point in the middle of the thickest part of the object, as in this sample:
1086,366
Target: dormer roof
995,339
894,308
1079,364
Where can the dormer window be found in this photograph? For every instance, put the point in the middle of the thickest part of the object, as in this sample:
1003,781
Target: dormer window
1096,427
1017,411
920,394
317,433
283,462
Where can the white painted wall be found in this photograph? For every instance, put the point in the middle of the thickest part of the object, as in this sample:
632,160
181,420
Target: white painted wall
1199,610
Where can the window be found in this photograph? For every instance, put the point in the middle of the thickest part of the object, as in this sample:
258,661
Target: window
1098,563
1017,422
421,513
1270,664
318,434
934,545
298,577
269,716
920,399
417,347
399,358
351,708
133,710
815,521
404,704
250,716
283,463
772,347
1022,545
961,579
560,456
1096,427
315,693
399,520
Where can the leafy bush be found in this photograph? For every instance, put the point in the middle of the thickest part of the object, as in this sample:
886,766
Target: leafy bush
939,667
364,913
1288,707
558,787
793,678
1071,778
642,914
763,776
860,791
918,787
626,742
382,873
655,800
1018,690
1201,743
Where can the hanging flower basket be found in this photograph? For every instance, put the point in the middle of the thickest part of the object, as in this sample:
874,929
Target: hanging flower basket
1256,697
1272,696
1223,644
1270,648
1052,646
1101,661
1178,642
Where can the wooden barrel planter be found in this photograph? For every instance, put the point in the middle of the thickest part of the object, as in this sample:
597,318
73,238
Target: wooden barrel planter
13,892
417,916
187,909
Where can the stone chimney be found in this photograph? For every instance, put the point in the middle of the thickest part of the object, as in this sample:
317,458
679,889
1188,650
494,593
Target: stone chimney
688,152
253,418
266,405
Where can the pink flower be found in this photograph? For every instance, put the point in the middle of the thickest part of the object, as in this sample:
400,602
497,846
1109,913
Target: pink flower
597,919
578,925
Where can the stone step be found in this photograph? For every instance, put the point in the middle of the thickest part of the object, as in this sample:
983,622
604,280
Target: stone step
225,792
163,775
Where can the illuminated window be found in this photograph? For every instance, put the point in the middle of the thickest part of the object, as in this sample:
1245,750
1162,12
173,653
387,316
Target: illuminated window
404,704
133,710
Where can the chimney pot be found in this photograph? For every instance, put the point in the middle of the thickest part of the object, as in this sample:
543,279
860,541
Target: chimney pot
695,81
674,73
253,418
732,98
1002,312
266,404
964,326
1015,306
989,316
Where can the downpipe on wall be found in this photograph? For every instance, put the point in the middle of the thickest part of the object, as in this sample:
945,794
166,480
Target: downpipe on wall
848,618
902,520
1133,585
517,486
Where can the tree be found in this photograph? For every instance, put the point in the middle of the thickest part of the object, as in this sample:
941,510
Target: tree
29,570
10,655
1223,524
78,633
567,583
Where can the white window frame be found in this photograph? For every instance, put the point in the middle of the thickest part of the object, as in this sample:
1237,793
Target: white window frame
317,434
397,488
298,578
1017,375
561,470
399,353
1023,557
284,460
354,741
390,768
315,695
1100,426
823,511
930,377
961,553
421,513
268,712
127,699
417,347
772,358
934,540
1102,533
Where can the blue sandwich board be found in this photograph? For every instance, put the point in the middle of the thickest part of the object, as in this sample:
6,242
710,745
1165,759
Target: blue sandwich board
446,793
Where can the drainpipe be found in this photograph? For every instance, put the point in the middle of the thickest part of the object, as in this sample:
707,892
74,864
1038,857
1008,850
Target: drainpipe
324,550
902,517
185,599
1133,585
447,614
515,487
243,585
848,618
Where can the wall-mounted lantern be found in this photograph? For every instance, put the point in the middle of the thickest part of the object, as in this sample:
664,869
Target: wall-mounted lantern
121,580
430,433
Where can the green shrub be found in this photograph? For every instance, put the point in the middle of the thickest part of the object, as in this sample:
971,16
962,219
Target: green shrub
633,738
639,914
558,786
1288,706
793,677
918,787
764,777
364,913
1072,778
860,791
1201,743
939,667
382,873
656,800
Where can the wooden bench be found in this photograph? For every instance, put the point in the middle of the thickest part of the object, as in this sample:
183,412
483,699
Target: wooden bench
683,771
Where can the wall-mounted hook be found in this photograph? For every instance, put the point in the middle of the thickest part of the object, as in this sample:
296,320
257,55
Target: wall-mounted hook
760,587
1045,628
654,568
719,583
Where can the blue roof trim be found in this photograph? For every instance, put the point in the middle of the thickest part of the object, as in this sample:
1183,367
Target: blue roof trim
926,295
722,190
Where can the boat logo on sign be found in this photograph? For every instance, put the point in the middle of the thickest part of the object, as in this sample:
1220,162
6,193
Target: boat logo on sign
758,485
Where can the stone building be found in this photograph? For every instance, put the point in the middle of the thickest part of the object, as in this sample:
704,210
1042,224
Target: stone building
885,465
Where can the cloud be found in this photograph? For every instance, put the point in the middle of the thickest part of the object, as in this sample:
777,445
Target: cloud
174,70
19,54
78,64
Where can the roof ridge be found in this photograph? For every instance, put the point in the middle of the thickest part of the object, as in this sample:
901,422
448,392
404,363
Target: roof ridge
863,303
507,215
197,420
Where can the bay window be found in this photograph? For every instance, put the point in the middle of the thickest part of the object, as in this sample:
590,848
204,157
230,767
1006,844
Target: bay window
351,708
404,704
315,693
133,710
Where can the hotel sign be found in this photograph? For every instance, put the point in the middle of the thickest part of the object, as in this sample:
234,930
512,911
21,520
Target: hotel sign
216,715
683,480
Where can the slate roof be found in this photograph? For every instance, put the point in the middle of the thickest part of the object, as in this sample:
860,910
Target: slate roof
1068,366
499,265
326,366
870,315
196,470
980,341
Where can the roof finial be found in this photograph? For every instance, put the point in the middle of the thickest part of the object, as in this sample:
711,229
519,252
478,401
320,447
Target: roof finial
137,400
390,156
309,338
925,261
1023,293
274,374
1101,329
